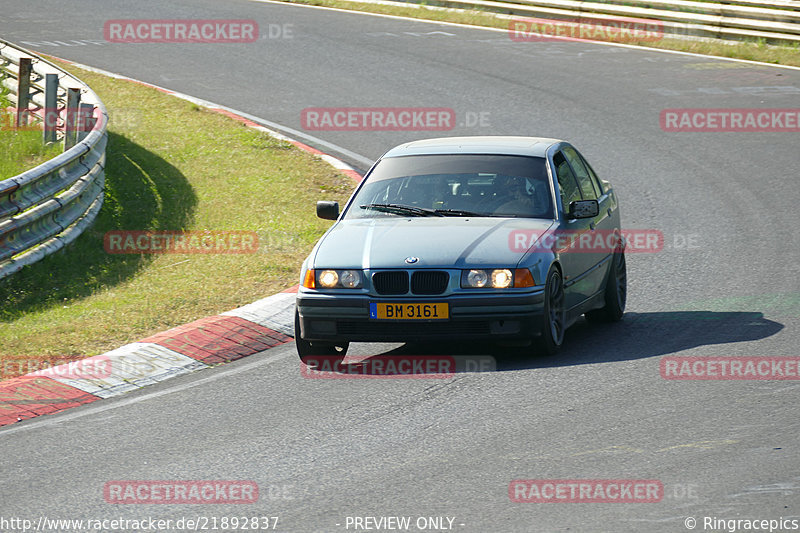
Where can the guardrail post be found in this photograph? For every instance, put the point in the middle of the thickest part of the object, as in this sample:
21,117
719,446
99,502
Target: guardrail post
47,207
23,91
50,108
85,120
71,122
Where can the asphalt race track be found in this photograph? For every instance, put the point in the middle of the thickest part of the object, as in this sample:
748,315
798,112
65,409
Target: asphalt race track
725,284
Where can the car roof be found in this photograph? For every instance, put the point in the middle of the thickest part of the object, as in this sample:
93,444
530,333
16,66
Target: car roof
502,145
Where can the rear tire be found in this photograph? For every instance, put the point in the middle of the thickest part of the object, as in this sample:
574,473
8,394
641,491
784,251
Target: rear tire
309,349
554,319
616,292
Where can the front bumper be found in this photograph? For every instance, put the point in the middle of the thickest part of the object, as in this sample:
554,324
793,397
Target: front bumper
345,318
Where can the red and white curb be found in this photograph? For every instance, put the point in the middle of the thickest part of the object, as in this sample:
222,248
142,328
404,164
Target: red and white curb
201,344
240,116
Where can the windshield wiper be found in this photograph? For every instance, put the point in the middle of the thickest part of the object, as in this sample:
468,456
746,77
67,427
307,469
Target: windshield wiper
459,213
403,210
462,213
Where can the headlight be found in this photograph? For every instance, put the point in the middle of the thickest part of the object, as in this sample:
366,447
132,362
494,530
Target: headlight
328,279
477,278
350,279
498,278
502,278
333,279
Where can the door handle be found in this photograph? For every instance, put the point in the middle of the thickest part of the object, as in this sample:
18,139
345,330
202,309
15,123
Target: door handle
608,211
591,225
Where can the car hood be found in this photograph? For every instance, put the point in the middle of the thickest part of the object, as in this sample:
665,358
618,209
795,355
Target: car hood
440,242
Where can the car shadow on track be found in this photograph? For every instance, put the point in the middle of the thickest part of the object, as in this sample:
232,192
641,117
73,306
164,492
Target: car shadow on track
637,336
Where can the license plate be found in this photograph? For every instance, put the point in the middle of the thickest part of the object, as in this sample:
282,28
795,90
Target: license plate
409,311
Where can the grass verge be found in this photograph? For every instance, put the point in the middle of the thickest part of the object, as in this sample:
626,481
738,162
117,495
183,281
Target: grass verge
23,148
171,165
750,50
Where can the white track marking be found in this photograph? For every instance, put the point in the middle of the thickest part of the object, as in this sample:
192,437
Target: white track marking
504,30
268,123
134,366
275,312
98,407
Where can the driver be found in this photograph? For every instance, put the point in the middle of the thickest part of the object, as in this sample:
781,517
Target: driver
512,193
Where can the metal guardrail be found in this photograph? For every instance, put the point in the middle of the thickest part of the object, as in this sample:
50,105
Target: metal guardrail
44,209
775,22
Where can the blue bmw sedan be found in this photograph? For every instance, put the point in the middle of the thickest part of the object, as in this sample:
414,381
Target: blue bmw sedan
491,238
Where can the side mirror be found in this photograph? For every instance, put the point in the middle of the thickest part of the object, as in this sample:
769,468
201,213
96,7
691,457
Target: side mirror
583,209
329,210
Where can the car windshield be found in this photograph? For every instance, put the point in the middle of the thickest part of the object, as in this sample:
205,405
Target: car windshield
455,185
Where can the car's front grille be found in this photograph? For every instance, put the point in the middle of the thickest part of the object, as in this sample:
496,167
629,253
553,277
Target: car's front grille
429,282
423,282
390,282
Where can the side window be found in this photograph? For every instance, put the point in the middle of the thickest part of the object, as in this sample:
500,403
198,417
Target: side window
588,188
595,179
567,185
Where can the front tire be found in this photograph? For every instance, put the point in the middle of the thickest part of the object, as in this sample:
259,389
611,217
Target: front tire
616,292
554,319
309,349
